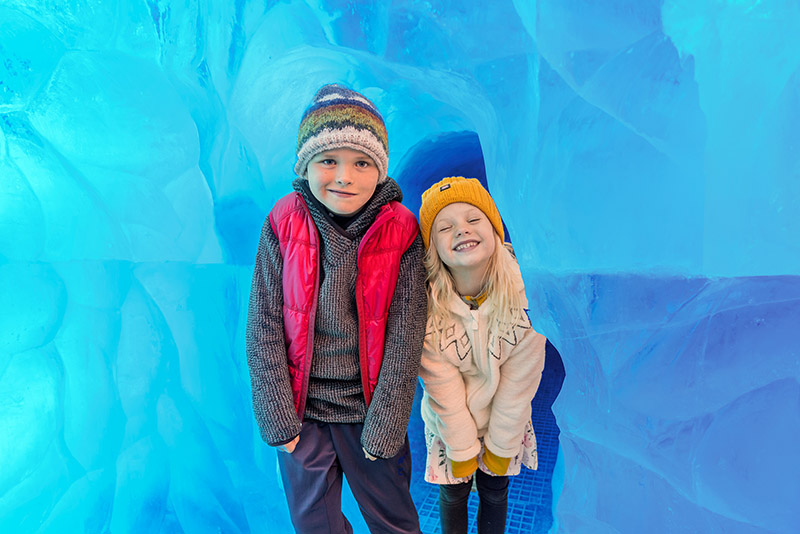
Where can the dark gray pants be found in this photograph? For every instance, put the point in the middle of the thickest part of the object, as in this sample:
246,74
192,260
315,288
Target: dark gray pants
312,477
492,505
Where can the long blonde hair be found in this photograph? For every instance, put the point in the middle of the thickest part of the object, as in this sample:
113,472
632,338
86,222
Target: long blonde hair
502,294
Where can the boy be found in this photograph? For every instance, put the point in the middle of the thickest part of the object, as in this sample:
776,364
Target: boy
336,323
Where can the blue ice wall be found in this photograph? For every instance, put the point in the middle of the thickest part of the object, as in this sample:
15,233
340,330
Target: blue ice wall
642,152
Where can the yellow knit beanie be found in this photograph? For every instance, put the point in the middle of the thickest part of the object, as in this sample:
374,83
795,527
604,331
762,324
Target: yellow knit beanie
452,190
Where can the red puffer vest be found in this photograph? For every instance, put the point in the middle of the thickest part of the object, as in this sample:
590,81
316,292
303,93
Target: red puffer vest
379,256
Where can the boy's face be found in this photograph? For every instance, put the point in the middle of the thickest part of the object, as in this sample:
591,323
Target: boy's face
463,237
342,179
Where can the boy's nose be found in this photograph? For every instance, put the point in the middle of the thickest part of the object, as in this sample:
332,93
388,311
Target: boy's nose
343,176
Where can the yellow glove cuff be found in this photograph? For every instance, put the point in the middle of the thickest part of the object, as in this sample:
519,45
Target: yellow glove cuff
496,464
465,468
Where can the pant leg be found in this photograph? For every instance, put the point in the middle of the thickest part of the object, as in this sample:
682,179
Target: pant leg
380,487
312,478
492,503
453,499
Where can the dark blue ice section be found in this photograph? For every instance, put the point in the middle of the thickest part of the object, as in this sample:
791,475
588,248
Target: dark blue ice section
680,403
643,154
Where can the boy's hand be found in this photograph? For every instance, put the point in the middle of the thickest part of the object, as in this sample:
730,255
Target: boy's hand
368,456
289,447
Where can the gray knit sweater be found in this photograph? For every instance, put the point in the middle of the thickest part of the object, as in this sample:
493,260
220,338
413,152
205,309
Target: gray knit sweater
335,394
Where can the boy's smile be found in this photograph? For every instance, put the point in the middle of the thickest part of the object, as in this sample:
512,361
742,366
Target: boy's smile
343,179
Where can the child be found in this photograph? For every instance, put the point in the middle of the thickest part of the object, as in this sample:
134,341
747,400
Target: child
481,361
334,333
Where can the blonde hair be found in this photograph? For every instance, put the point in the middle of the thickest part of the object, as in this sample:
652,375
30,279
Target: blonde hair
507,309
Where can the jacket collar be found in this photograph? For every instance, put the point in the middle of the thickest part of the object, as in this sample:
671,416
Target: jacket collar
460,308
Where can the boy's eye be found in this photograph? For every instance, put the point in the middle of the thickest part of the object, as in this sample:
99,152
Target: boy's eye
362,164
328,161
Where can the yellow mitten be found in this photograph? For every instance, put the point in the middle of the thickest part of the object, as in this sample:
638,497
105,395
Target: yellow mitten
496,464
465,468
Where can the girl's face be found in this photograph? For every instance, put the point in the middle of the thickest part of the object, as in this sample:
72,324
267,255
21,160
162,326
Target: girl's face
342,179
464,238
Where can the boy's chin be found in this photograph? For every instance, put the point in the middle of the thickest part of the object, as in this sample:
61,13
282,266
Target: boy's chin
344,212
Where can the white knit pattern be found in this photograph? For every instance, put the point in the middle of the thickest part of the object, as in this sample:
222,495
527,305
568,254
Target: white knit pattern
348,96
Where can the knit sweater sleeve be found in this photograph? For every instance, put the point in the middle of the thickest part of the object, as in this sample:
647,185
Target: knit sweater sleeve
266,347
389,411
520,375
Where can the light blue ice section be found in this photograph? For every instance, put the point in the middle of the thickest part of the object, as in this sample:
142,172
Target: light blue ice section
643,154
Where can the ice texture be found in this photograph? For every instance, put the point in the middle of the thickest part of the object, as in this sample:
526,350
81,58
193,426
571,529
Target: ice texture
643,154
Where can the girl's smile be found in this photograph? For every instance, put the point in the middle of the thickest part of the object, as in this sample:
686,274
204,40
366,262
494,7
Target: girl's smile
466,246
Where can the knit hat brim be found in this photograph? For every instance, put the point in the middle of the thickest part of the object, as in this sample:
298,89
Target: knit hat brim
346,137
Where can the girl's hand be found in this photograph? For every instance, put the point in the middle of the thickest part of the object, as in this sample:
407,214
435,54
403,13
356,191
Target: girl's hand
368,456
289,447
464,469
496,464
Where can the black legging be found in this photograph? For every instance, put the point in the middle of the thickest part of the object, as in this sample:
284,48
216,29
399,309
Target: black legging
492,505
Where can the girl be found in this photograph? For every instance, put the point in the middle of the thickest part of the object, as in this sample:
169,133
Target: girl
481,362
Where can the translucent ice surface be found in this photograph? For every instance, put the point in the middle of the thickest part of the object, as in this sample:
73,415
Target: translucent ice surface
643,154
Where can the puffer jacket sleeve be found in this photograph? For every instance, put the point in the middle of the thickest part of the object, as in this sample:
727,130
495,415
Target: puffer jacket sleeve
445,404
389,411
520,375
266,347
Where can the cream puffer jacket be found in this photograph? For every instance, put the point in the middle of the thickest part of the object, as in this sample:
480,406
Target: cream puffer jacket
479,385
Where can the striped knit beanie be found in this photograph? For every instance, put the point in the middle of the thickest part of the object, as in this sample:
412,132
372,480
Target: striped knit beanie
341,118
456,189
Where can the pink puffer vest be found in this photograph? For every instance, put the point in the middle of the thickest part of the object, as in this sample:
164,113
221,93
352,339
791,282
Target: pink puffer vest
379,255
